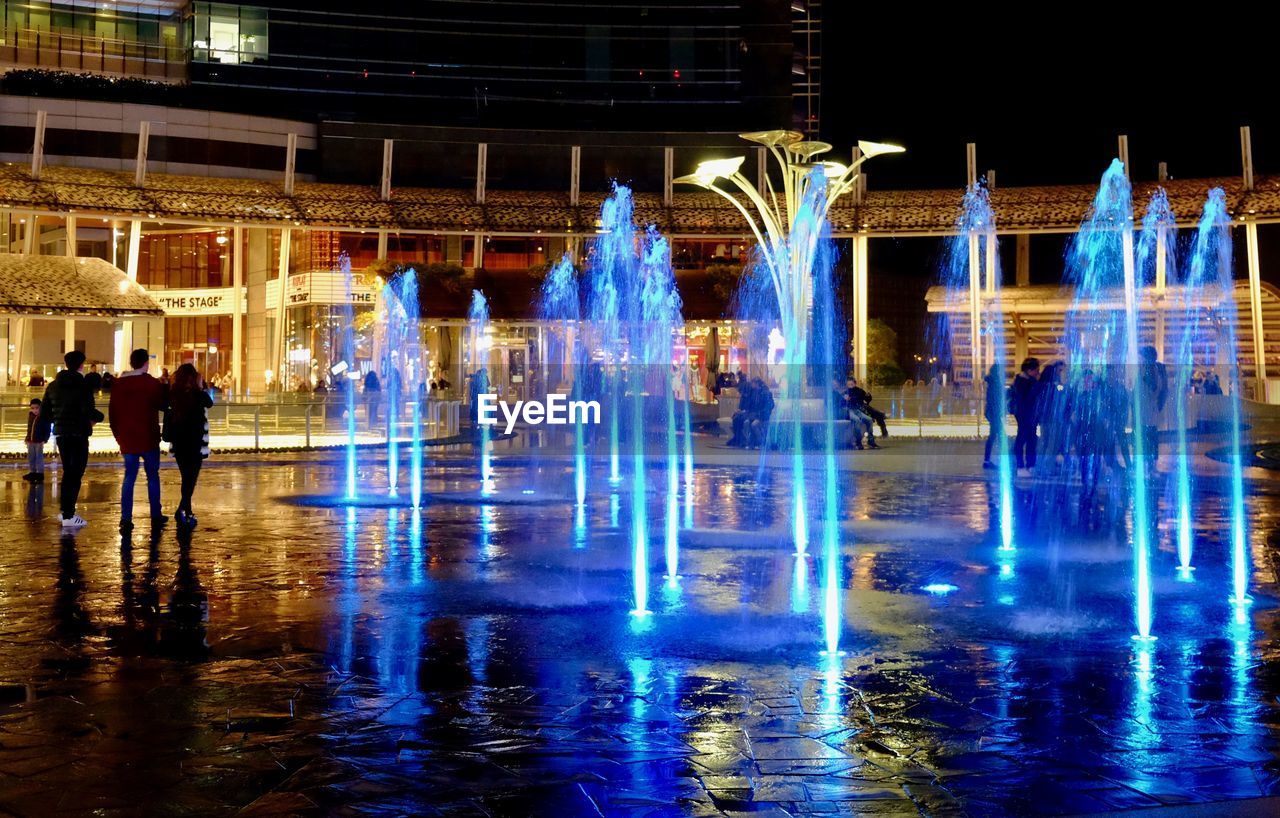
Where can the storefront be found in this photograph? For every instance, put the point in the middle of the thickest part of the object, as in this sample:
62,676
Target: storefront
197,329
320,306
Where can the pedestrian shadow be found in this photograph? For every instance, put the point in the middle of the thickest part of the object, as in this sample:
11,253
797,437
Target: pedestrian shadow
161,622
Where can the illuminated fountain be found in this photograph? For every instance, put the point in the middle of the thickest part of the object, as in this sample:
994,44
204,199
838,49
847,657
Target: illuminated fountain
481,342
612,253
788,234
558,304
790,225
970,274
345,375
402,371
1102,337
655,329
1209,273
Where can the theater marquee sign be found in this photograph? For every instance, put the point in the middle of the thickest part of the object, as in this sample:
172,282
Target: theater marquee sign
211,301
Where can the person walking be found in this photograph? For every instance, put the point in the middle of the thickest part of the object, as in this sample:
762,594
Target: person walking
137,399
68,408
372,393
1087,431
188,435
1024,399
1153,393
993,410
37,436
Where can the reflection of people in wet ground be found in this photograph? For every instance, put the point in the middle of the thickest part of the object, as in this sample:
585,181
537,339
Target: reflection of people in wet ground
35,500
71,618
150,627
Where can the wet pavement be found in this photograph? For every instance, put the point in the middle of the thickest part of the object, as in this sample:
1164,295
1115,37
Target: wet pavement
479,659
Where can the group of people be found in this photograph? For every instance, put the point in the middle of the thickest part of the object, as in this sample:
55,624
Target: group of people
855,404
138,402
1088,416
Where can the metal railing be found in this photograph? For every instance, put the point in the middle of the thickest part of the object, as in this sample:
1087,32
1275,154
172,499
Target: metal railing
76,51
306,425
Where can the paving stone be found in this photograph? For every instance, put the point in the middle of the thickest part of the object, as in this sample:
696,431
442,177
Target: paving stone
283,661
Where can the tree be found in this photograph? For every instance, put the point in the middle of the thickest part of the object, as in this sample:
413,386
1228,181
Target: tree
882,343
882,355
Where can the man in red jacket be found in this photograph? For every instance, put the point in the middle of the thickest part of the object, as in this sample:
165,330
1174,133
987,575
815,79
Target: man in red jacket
136,402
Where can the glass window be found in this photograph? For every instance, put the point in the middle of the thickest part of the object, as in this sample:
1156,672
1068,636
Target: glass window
228,34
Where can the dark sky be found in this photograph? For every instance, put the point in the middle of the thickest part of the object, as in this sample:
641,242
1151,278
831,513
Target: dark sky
1044,89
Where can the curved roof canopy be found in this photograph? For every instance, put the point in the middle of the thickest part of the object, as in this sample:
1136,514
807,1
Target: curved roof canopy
68,287
1044,208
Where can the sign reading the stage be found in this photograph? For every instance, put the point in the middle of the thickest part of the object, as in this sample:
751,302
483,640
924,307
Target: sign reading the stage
184,302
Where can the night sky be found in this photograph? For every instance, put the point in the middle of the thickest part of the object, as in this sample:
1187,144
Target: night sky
1044,94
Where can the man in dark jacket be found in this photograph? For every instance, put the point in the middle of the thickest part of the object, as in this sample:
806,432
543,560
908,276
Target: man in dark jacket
747,406
1024,401
68,405
136,402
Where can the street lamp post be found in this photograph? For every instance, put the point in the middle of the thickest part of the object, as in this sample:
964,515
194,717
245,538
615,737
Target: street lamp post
788,244
787,222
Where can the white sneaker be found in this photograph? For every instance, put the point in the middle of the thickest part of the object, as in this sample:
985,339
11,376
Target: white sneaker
74,522
1024,472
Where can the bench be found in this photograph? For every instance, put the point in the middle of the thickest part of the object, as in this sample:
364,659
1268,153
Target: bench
812,416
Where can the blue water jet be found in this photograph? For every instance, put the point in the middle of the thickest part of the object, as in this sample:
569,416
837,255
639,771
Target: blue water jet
1210,272
1157,262
558,303
345,375
481,343
970,276
401,363
1102,336
612,256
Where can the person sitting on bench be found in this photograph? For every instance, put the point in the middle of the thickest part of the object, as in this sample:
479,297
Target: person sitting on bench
762,410
746,407
862,398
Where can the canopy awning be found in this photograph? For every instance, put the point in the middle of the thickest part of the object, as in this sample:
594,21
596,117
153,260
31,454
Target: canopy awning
69,287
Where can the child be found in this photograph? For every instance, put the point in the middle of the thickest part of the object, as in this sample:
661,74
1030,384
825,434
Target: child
37,436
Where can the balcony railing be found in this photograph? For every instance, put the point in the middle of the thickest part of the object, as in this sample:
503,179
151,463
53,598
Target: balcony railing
74,51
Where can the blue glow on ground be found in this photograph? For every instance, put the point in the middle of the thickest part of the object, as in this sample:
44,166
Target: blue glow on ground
939,588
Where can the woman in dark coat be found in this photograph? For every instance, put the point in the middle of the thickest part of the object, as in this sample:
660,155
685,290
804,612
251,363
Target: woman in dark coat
187,430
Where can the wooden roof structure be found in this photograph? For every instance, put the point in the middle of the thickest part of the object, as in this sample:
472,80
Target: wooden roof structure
193,199
69,287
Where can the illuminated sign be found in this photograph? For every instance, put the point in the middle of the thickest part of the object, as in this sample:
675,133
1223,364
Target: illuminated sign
211,301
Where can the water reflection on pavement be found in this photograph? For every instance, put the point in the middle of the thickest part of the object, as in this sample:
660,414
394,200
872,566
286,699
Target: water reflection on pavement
469,659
